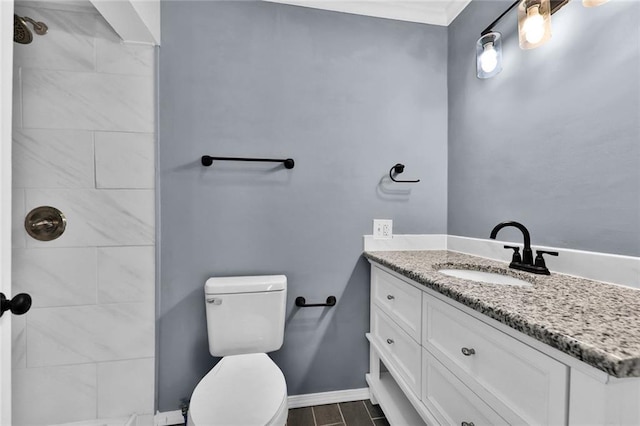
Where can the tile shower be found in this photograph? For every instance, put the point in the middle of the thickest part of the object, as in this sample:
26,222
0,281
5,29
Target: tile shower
83,141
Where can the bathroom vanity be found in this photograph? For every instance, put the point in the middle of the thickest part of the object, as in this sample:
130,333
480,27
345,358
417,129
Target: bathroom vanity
446,350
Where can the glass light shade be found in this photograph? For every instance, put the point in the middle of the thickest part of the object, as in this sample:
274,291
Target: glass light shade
534,23
593,3
489,55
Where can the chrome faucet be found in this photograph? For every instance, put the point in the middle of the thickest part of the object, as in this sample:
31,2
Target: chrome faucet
526,262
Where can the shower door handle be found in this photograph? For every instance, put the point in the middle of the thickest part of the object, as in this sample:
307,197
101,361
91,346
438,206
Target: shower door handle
20,304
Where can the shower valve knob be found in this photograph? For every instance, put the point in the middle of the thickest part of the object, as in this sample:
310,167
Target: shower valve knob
45,223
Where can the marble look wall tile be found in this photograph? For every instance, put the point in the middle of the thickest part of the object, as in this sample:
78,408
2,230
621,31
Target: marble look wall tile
114,56
98,217
67,45
18,213
16,110
53,159
56,276
125,387
78,334
87,101
126,274
125,160
59,101
18,341
52,395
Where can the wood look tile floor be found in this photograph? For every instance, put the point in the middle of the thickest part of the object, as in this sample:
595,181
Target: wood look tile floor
356,413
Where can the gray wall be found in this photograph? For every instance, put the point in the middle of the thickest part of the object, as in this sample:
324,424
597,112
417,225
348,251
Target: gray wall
554,140
347,97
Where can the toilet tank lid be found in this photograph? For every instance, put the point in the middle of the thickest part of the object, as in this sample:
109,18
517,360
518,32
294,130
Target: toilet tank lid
247,284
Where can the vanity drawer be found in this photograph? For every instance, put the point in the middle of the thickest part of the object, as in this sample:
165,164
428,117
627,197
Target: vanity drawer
399,347
450,400
398,299
522,384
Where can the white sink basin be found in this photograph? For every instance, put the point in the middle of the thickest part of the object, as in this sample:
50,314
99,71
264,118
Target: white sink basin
485,277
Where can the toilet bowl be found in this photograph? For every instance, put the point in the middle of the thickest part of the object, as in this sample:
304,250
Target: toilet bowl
243,390
245,319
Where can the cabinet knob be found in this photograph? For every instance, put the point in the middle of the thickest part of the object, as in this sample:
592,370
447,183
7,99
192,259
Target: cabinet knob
468,352
468,424
390,341
390,296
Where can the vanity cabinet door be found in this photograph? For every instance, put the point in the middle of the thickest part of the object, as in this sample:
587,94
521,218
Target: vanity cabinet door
522,384
399,300
399,347
450,400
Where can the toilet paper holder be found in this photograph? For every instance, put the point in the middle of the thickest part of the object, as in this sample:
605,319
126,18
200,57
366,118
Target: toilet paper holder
396,170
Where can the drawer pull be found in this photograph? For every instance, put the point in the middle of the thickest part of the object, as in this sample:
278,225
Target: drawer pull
468,424
468,352
390,341
390,296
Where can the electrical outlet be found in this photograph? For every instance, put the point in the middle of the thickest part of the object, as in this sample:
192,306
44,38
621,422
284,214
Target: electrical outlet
382,229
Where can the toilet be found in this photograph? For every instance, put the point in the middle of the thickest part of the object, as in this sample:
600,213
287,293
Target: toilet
245,319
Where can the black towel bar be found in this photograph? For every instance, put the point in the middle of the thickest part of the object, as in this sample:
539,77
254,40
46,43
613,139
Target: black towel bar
207,160
302,303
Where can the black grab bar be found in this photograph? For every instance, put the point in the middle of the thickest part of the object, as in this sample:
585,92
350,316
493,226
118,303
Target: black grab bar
207,160
302,303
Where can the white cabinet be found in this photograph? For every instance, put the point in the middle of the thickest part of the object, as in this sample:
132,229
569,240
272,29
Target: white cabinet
402,302
524,385
450,399
448,364
399,347
454,368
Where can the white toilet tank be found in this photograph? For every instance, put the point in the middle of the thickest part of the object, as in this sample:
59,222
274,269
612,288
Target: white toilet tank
245,314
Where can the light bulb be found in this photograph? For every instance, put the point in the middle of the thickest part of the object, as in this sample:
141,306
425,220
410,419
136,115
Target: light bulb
533,25
488,55
489,58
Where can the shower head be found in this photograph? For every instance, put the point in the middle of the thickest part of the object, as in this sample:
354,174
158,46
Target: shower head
21,32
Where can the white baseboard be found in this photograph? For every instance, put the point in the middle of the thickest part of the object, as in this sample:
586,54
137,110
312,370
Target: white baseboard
168,418
321,398
144,420
295,401
119,421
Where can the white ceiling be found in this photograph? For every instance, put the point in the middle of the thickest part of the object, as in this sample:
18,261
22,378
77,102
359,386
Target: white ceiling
68,5
436,12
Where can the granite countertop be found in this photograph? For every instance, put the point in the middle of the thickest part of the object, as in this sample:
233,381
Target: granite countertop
595,322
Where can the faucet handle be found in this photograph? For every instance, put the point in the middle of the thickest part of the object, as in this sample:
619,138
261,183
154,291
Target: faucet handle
539,262
516,254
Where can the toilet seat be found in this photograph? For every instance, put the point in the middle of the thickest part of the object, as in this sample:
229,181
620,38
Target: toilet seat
240,390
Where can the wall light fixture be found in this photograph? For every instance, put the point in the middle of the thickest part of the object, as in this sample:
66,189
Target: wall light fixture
593,3
534,29
489,54
534,23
